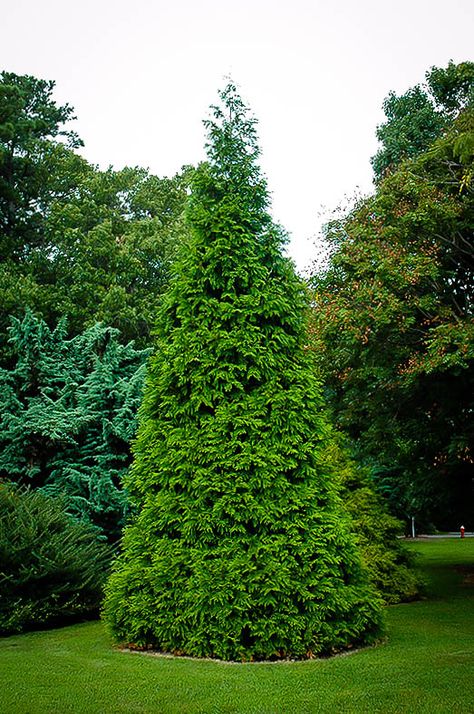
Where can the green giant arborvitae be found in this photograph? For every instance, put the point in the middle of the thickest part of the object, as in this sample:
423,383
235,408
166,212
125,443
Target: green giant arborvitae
239,549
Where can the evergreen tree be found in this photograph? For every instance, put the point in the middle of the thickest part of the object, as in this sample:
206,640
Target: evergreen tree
239,549
67,416
389,563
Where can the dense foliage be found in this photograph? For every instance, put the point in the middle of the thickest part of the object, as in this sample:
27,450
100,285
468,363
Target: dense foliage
388,561
75,241
415,119
52,568
30,126
393,329
67,416
223,417
240,549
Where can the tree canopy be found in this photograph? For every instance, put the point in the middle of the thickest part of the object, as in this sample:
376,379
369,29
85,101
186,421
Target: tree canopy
30,121
393,323
75,241
415,119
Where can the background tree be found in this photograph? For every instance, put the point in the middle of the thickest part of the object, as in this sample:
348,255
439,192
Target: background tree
393,328
412,124
452,87
30,121
421,115
52,568
240,548
78,242
67,416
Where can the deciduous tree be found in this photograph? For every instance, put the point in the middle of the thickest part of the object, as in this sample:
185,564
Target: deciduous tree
75,241
415,119
393,326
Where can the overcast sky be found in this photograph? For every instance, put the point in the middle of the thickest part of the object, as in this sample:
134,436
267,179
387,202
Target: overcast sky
142,73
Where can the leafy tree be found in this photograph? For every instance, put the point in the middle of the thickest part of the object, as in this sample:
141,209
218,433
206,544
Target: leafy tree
52,568
421,115
393,328
452,87
412,125
240,548
92,245
29,121
113,240
67,416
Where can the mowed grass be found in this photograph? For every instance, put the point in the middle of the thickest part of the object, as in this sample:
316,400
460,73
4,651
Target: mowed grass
426,664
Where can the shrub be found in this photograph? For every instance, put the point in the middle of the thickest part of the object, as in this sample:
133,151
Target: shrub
67,416
390,564
52,567
388,561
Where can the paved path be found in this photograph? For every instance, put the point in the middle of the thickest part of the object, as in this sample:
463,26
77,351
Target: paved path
421,536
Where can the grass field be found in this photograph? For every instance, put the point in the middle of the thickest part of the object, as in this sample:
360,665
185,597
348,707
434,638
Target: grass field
426,665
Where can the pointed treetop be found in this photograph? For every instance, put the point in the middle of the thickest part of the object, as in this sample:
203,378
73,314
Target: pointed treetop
232,144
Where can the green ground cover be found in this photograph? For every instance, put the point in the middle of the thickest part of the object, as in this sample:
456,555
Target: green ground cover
426,665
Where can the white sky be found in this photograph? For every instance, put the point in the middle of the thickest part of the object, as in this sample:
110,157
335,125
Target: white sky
142,73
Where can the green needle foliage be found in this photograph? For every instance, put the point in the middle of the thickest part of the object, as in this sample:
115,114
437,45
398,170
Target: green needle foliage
239,549
52,567
67,416
389,562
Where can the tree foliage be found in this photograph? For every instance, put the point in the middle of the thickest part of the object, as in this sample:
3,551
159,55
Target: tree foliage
412,124
393,326
75,241
415,119
52,568
30,120
67,416
452,87
390,565
240,548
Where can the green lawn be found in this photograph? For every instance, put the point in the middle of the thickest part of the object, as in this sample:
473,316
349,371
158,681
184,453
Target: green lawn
427,665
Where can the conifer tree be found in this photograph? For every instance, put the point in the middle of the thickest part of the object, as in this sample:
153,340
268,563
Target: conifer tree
67,416
239,549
